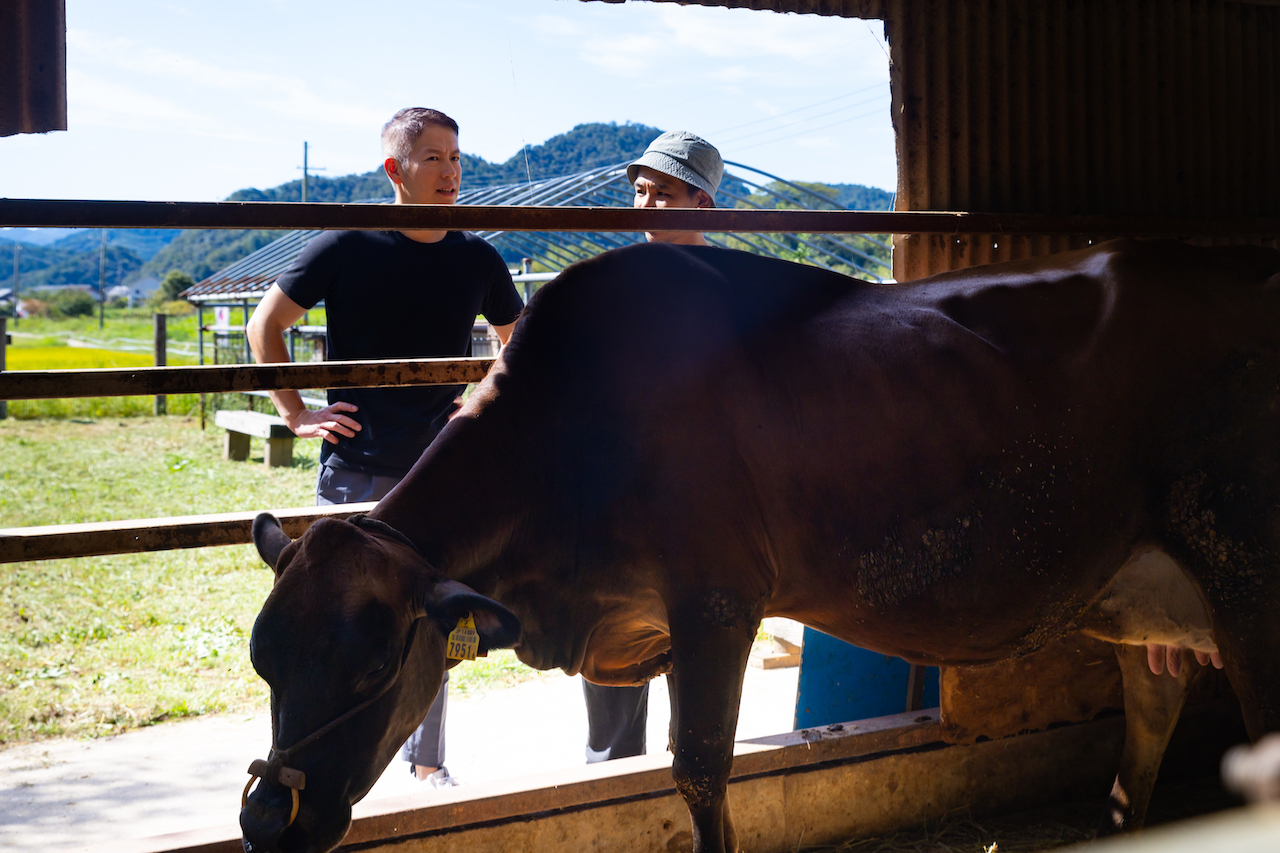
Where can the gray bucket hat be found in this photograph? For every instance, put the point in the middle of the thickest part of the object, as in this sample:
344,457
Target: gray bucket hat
682,155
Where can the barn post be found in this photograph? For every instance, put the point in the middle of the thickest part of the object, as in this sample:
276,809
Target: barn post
161,344
4,340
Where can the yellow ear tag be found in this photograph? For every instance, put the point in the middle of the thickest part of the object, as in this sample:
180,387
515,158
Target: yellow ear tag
464,641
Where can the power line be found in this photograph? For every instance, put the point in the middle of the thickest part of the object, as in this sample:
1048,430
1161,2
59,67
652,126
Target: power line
810,130
803,120
799,109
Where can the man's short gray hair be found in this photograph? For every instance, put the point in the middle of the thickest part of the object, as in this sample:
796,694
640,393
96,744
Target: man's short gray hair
401,133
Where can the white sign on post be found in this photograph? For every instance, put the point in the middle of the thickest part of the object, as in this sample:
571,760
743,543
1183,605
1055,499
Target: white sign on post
222,317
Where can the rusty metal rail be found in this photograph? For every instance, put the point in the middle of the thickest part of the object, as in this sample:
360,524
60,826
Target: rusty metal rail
50,213
60,541
220,378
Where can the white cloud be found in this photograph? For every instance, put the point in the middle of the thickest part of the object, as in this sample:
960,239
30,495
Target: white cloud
736,74
628,56
93,101
730,33
285,96
553,25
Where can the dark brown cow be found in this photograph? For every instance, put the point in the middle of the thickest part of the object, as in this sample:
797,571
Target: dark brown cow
953,471
354,656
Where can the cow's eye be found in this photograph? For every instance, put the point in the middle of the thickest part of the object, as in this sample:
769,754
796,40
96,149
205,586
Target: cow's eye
376,674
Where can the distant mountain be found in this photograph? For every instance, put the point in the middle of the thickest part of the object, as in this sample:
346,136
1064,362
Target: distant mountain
585,147
75,268
74,254
858,197
200,253
143,242
31,259
345,189
34,236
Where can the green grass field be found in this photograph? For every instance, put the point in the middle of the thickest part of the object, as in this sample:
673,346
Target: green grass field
99,645
133,323
80,358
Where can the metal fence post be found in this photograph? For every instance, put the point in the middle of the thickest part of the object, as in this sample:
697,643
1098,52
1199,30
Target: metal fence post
200,349
161,346
4,340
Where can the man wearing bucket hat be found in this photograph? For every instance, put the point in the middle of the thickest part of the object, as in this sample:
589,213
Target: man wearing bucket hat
678,169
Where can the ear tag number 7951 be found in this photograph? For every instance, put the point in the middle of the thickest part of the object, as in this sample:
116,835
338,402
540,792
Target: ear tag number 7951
464,641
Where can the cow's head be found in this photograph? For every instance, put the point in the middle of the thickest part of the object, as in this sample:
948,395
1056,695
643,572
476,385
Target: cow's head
354,632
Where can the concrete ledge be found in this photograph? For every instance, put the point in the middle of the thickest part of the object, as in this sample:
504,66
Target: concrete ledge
813,786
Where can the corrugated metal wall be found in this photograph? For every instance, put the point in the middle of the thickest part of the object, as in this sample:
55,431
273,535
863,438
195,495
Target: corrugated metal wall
33,66
1076,107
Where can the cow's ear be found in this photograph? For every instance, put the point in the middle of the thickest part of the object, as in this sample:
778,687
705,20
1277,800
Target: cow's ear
269,537
447,601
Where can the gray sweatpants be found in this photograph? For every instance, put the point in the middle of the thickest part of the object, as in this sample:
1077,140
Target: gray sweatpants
425,747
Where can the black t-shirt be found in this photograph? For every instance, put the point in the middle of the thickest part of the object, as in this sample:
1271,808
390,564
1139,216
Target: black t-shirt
387,296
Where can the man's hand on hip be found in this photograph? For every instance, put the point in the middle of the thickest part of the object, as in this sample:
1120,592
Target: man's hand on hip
328,423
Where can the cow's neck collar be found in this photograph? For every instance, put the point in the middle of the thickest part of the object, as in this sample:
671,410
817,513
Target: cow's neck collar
382,527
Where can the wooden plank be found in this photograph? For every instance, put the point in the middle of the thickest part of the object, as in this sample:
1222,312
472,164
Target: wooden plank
815,787
59,541
222,378
80,213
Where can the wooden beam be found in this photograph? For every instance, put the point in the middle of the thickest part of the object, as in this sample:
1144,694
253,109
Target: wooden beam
223,378
60,541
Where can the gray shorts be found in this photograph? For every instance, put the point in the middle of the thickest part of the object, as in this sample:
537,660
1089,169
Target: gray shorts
339,486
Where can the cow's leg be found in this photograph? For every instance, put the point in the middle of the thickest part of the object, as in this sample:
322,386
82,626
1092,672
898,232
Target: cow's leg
1152,704
710,641
1247,632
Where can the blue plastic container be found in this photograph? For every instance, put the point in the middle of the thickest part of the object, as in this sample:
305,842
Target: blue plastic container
840,682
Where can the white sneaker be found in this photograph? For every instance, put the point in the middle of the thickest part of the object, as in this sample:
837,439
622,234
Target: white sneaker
442,779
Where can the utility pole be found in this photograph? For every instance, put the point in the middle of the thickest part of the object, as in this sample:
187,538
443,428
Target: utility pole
305,168
17,284
102,277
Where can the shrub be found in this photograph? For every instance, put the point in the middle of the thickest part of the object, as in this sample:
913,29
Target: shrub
176,308
73,303
35,307
173,283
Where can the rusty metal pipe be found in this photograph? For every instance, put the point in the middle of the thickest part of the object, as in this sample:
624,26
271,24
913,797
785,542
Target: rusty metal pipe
222,378
54,213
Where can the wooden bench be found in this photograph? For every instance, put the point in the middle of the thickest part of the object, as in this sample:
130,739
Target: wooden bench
241,426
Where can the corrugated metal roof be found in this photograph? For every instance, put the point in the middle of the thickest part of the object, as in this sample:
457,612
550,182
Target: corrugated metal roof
881,8
607,186
836,8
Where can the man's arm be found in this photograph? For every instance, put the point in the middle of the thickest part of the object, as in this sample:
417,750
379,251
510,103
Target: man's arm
275,313
504,332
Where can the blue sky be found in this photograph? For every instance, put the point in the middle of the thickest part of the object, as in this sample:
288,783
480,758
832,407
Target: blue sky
194,100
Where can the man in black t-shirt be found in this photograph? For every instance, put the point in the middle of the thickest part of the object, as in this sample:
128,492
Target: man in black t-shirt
390,294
